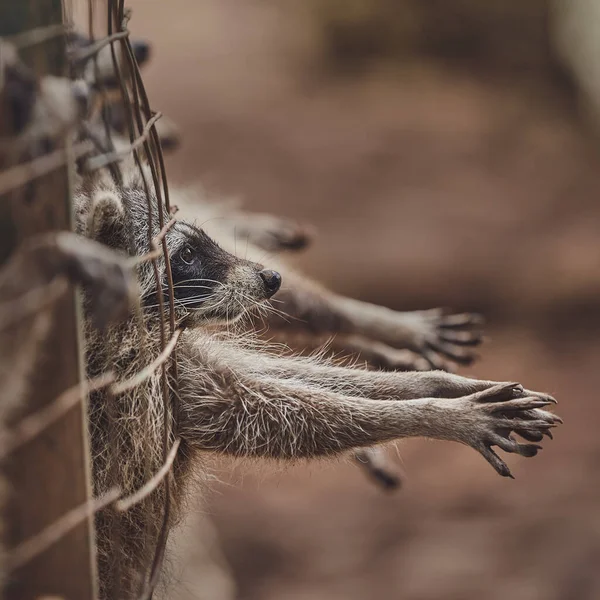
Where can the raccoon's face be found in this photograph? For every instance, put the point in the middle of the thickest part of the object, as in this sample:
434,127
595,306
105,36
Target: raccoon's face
210,284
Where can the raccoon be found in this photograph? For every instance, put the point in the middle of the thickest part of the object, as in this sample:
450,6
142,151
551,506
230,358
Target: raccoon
237,395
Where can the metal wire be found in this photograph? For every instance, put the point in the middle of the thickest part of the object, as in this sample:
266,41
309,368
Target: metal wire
36,36
119,18
34,546
145,147
32,426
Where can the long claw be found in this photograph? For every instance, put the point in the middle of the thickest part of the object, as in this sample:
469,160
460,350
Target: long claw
543,415
499,465
508,444
518,404
524,425
533,436
499,393
546,397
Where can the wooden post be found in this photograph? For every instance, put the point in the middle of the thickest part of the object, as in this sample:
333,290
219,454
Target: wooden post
51,475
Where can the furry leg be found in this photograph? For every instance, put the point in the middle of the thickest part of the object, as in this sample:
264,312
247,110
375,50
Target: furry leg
444,340
225,408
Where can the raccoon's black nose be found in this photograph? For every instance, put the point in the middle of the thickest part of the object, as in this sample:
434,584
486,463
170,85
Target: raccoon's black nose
141,51
272,281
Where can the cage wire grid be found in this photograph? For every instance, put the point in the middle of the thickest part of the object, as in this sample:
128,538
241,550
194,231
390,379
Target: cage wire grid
145,147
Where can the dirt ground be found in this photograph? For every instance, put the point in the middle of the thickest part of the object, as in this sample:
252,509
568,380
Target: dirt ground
430,185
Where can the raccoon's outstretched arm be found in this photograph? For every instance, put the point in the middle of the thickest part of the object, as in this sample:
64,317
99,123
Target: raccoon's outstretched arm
269,232
29,283
443,340
374,385
40,260
250,233
228,410
372,460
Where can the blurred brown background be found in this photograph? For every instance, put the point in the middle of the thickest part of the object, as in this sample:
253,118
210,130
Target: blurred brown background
440,150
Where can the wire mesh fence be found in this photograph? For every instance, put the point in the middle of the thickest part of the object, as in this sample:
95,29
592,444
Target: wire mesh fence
107,29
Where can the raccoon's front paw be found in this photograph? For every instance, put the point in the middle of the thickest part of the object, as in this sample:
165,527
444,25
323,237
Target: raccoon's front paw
107,277
276,233
446,340
376,465
488,418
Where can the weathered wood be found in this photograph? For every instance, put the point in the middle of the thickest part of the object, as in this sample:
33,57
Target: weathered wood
50,475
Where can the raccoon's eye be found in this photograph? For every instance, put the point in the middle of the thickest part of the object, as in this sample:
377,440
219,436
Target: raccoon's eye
187,255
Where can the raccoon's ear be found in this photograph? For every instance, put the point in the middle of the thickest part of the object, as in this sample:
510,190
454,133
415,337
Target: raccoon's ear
106,221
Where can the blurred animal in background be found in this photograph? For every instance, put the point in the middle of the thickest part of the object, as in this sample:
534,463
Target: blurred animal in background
574,26
34,113
97,69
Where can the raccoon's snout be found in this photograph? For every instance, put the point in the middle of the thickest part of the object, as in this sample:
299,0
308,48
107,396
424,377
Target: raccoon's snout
272,281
